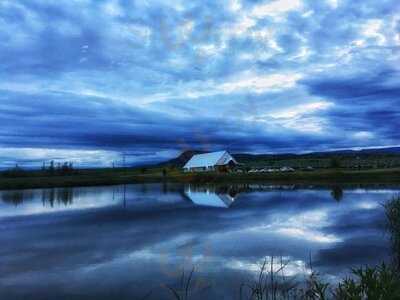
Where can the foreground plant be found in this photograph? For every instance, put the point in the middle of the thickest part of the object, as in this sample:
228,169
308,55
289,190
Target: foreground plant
392,209
372,283
183,292
270,284
381,282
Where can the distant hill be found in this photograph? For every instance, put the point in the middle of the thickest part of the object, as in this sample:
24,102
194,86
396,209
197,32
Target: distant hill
391,150
182,159
377,157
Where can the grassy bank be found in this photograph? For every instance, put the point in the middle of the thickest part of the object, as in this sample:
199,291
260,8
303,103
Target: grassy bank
96,177
380,282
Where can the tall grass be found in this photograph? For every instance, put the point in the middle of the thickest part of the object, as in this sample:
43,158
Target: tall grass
365,283
372,283
184,289
392,209
381,282
270,283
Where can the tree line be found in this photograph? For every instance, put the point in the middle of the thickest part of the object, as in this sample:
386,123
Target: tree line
47,169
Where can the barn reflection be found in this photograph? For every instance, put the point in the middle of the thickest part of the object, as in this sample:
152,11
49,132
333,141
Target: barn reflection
213,196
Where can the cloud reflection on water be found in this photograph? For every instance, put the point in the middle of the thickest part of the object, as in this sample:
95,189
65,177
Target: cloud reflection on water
136,241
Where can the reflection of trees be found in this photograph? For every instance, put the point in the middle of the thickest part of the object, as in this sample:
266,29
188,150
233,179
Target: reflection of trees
14,197
164,187
235,189
337,193
58,196
144,188
52,197
48,196
65,195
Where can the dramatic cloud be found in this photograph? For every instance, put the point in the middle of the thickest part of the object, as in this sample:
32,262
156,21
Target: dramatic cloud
90,80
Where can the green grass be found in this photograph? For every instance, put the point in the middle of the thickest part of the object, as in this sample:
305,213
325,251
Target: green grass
96,177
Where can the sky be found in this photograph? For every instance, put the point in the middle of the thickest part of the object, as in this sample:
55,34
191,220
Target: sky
89,80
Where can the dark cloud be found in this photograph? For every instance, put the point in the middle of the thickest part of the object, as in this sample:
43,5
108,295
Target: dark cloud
364,87
124,75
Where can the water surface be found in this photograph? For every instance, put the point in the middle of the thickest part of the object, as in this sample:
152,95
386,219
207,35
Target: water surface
122,242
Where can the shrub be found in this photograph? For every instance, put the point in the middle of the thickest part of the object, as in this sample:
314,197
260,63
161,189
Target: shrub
392,209
381,282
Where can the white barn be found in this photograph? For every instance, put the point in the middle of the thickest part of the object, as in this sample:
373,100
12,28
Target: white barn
213,161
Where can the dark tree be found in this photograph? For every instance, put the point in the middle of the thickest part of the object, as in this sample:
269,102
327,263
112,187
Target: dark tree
335,163
64,168
51,168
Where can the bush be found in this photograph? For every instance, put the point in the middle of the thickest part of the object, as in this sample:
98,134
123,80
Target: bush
334,163
392,209
381,282
372,283
14,172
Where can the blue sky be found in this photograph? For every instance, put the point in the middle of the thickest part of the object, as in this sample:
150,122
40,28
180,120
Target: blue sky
87,80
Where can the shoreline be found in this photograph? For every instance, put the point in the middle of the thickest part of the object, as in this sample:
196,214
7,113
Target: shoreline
84,178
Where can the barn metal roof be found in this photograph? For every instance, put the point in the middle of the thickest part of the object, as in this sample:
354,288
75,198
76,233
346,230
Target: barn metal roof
210,199
207,159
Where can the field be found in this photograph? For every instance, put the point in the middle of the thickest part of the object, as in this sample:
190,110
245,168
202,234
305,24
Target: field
96,177
374,166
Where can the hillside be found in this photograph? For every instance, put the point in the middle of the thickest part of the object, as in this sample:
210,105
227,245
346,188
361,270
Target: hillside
365,158
181,160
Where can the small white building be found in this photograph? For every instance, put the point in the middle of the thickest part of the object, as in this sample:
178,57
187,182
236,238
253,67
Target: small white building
213,161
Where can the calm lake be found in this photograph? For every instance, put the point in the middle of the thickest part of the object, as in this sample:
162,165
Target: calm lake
122,242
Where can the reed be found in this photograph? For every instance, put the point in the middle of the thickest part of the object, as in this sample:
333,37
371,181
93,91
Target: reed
392,209
182,292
